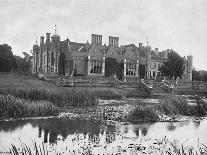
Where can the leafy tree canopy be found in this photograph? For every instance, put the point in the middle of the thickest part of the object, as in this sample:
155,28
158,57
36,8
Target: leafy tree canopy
200,75
7,60
174,66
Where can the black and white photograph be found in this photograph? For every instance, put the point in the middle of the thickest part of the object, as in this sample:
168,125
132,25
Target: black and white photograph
103,77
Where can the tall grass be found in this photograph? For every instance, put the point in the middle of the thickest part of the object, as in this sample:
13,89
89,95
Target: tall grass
27,150
12,107
58,98
158,147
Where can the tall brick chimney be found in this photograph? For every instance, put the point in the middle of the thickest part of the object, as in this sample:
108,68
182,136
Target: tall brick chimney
41,40
156,50
47,36
96,39
113,41
140,44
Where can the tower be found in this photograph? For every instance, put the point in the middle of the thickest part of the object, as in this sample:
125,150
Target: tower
148,60
189,67
55,54
35,65
41,54
47,53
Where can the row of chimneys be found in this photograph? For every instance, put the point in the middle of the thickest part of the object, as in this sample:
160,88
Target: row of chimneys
95,39
42,38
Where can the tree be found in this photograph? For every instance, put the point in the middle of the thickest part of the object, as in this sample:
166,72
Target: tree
200,75
23,65
7,60
112,67
174,66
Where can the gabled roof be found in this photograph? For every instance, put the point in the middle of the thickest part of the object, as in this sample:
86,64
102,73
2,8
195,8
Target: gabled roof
74,46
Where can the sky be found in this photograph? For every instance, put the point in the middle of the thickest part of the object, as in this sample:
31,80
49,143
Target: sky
180,25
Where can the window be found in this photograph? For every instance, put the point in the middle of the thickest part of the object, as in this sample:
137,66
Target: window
153,73
43,59
48,58
96,67
155,65
131,69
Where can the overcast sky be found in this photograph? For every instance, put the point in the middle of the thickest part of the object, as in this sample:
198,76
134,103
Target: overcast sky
175,24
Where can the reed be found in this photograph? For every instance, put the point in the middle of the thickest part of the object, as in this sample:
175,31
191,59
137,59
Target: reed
28,150
159,146
57,97
13,107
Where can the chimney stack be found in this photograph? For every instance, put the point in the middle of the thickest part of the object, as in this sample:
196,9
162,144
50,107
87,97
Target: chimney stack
41,40
156,50
48,37
140,44
113,41
96,39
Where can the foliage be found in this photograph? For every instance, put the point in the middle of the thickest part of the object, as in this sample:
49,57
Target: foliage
162,146
199,75
7,60
174,66
61,64
12,107
113,67
143,113
27,150
23,64
177,105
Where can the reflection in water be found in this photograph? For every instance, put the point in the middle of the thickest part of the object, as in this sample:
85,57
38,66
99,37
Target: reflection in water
183,123
171,126
50,130
196,124
39,132
144,131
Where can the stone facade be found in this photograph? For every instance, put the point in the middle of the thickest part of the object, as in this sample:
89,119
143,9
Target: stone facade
56,57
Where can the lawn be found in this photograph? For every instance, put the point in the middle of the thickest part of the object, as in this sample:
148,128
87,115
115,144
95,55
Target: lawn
28,82
38,95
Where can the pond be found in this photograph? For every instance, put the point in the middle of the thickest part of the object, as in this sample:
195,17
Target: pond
60,132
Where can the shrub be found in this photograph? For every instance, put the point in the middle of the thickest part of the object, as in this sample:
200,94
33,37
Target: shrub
143,113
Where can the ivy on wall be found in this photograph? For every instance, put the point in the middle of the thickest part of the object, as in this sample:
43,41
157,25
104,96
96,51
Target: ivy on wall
142,71
113,67
61,64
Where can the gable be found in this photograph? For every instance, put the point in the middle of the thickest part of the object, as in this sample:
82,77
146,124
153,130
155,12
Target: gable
131,54
96,51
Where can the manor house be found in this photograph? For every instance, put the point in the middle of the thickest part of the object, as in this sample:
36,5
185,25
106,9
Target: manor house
55,57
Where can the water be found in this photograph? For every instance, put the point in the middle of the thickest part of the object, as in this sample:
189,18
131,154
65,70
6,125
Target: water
56,132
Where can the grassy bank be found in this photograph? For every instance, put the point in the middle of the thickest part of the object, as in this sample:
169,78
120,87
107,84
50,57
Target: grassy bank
12,107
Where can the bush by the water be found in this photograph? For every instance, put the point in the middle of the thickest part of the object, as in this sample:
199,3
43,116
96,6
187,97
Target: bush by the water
81,98
178,105
143,113
12,107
